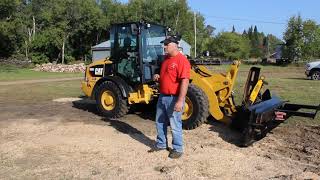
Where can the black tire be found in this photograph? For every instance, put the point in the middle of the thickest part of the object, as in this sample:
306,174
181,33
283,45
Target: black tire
315,75
200,108
118,108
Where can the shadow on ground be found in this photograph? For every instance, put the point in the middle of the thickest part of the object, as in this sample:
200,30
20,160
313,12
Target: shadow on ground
300,78
133,132
147,113
224,131
144,111
122,125
86,104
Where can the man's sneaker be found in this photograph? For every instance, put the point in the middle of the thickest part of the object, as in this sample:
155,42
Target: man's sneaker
174,154
156,149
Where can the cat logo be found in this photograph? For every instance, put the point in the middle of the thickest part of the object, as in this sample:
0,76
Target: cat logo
98,71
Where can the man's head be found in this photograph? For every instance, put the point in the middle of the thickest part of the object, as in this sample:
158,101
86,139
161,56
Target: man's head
170,46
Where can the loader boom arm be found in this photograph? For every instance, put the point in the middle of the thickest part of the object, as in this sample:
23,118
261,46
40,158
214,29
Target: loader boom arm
217,87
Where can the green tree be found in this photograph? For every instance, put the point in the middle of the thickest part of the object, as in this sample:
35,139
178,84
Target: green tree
293,38
90,29
244,33
230,45
311,40
72,26
256,45
113,11
250,32
172,13
270,43
10,27
273,42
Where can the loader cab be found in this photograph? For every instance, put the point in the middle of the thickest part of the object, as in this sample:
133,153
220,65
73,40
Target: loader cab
136,50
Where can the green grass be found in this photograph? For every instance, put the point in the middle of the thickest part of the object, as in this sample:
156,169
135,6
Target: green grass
10,73
39,92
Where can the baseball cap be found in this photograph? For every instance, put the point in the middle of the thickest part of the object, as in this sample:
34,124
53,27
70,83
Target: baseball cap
170,39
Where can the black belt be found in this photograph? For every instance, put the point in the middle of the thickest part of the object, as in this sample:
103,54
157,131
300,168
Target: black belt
169,95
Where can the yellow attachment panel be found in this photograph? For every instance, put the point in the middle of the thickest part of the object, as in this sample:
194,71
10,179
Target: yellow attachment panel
143,95
255,92
207,86
218,88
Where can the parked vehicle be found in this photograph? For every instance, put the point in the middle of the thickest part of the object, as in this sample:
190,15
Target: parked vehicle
313,70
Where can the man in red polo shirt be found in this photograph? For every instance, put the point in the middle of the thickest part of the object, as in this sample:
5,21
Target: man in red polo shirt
174,80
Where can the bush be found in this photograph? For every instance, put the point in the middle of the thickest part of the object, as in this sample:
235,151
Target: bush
38,58
68,59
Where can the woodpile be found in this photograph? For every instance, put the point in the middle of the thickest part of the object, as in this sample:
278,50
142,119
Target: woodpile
50,67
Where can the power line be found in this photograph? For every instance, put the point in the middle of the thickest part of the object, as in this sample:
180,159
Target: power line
247,20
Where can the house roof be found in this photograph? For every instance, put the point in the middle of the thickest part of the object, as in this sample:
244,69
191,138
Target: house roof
103,45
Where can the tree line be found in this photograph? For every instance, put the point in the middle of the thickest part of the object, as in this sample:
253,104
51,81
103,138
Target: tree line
65,30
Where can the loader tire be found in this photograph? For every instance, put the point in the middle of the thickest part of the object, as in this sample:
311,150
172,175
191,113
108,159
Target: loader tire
196,108
110,102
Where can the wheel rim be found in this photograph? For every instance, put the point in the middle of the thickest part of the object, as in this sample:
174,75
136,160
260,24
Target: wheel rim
108,100
315,75
188,109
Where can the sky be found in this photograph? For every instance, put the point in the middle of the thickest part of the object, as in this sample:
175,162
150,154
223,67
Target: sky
270,16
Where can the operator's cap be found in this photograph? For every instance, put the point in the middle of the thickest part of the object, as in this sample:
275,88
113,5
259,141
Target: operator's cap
170,39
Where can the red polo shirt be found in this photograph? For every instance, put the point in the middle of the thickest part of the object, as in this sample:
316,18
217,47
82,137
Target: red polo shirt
173,70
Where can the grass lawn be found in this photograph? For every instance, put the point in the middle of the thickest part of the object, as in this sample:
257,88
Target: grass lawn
10,73
39,92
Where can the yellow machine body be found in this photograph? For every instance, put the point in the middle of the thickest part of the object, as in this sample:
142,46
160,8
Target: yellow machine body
89,82
216,86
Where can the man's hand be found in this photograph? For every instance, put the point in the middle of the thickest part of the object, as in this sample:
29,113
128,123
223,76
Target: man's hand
156,77
178,106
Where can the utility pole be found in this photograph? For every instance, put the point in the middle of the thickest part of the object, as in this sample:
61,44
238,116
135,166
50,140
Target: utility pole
268,47
195,35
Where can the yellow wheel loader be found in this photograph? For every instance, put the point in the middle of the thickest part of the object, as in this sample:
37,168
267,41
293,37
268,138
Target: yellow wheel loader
126,77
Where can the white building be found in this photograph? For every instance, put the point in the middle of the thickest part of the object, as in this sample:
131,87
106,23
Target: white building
101,51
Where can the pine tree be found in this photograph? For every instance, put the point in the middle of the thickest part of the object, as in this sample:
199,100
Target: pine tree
256,50
233,29
245,33
250,33
266,46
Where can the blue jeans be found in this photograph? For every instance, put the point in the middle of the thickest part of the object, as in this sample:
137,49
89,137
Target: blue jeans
166,116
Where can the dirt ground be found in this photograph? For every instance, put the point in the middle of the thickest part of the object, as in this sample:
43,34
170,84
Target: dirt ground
66,139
